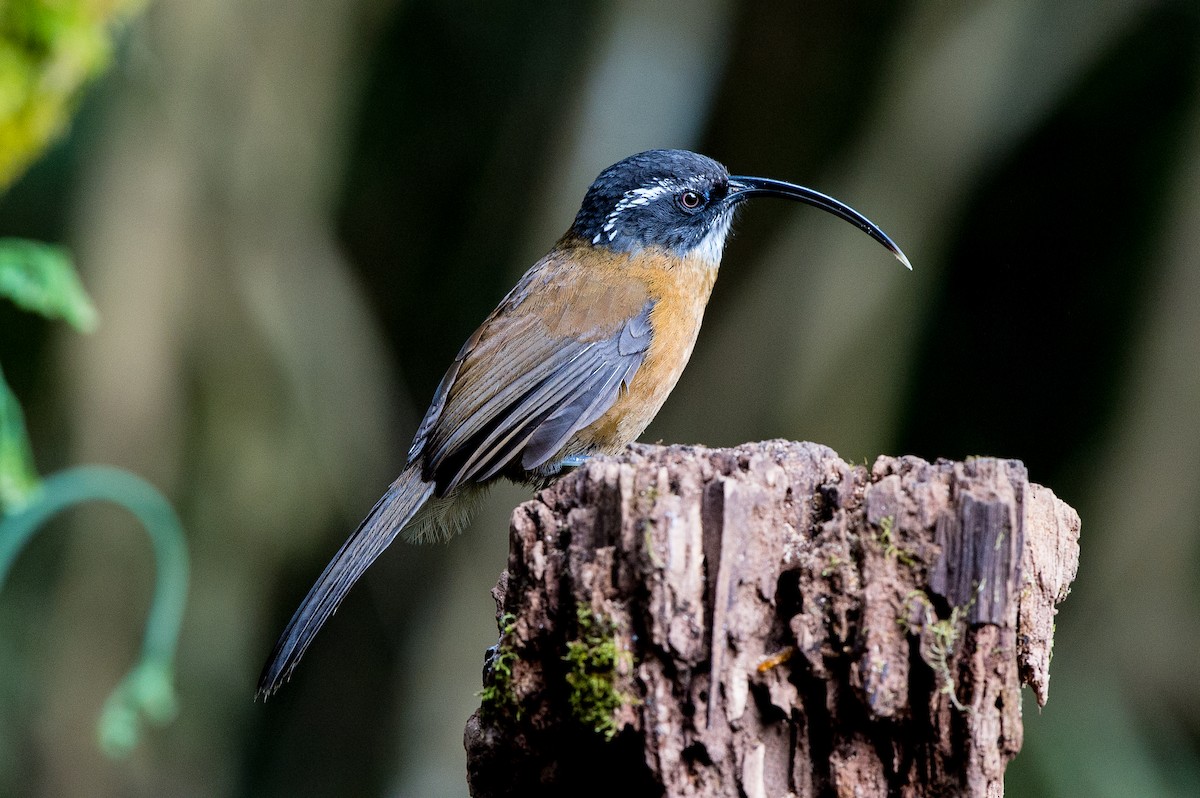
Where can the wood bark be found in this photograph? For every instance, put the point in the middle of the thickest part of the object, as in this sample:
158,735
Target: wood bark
771,621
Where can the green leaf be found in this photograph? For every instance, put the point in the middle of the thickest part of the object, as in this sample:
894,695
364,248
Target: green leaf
40,278
18,477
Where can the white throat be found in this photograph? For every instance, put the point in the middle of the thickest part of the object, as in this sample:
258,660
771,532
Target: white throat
712,245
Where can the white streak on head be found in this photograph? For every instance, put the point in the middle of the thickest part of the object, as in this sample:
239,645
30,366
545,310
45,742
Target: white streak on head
644,195
640,197
710,247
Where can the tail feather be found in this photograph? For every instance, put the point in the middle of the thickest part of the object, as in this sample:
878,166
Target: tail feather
403,499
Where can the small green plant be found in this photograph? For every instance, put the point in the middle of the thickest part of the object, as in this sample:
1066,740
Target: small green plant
593,662
50,50
943,638
41,279
939,637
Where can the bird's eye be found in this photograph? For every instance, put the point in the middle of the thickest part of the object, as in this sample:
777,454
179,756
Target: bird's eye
691,200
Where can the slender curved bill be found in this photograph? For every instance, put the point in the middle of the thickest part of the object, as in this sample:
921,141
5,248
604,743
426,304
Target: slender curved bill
742,188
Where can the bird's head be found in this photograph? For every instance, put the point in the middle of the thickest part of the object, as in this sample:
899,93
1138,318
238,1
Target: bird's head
684,202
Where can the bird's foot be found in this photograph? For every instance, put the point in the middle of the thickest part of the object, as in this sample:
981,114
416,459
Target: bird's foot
574,461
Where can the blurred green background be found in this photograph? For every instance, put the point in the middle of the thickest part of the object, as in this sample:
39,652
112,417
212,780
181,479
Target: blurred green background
290,216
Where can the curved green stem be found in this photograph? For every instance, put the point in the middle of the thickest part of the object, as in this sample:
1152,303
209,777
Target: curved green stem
148,686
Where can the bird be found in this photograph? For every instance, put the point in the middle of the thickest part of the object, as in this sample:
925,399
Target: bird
574,362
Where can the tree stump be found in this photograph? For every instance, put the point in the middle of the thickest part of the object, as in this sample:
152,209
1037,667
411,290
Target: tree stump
769,621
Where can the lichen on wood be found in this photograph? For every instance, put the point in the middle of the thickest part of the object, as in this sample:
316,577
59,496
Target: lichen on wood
774,621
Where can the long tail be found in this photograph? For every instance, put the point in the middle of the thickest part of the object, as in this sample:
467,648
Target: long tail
404,498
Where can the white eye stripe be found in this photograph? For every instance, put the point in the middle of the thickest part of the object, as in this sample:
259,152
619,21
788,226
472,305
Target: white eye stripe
644,195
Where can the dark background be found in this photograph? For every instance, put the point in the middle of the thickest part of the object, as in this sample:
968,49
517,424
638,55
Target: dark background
291,215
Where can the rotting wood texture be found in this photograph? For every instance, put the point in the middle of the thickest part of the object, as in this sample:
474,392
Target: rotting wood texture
769,621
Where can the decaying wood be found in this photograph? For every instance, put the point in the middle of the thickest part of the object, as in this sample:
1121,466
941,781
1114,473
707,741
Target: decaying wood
769,621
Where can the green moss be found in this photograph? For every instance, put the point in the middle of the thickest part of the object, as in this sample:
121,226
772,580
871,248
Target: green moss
498,698
888,541
835,562
592,664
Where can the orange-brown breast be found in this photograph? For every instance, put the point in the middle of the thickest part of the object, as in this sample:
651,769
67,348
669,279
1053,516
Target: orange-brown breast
680,289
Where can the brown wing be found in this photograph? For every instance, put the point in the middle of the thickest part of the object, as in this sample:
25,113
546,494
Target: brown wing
518,390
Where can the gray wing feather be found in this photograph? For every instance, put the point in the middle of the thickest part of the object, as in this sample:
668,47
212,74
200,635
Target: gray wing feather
511,431
635,335
524,395
587,406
